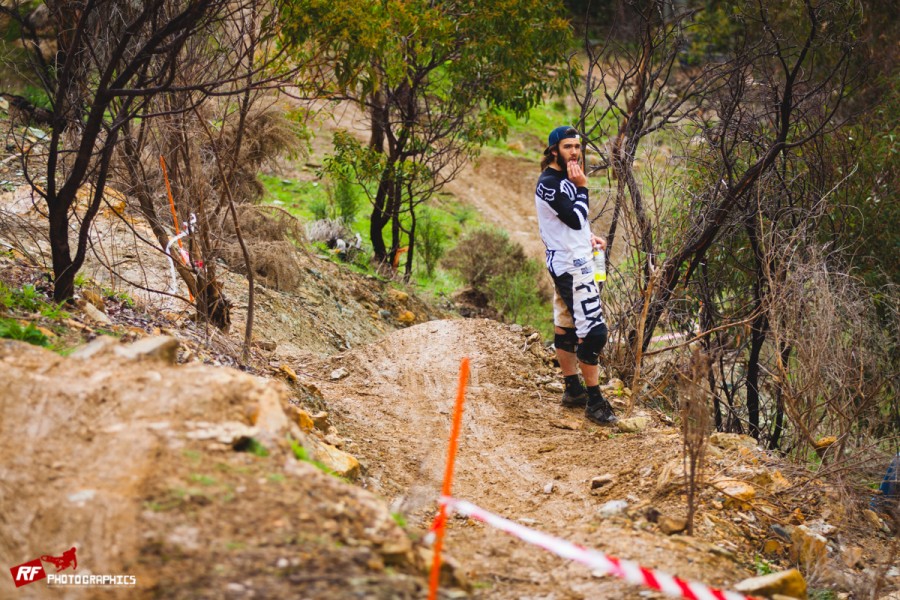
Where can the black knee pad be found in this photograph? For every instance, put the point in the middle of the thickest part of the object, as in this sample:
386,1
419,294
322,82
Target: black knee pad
589,349
567,341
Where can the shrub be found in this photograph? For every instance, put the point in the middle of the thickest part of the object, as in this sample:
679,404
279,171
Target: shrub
512,294
484,254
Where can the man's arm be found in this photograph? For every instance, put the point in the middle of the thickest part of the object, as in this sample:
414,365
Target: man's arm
570,203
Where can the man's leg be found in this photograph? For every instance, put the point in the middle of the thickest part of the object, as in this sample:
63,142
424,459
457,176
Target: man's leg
566,342
587,313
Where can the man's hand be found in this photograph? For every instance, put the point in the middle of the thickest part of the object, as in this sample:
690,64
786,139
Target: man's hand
576,173
598,242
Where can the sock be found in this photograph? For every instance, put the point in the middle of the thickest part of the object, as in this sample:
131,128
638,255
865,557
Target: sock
594,395
573,384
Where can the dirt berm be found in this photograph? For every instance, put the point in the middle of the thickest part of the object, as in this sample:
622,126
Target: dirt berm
128,458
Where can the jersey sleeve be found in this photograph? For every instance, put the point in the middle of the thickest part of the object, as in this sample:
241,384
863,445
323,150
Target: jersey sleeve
570,203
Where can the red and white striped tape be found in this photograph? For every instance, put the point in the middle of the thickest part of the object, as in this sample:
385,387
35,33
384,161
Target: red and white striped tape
627,570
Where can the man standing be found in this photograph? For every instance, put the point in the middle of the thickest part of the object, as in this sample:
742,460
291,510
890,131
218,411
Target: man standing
561,198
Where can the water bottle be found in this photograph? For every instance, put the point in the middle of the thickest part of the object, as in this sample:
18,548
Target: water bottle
599,265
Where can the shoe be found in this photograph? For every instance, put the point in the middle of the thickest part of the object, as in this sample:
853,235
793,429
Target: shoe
601,413
574,400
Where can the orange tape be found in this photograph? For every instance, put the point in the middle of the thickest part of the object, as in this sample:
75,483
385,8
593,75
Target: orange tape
441,519
162,163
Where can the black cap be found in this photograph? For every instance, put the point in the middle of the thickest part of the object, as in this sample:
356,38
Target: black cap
560,133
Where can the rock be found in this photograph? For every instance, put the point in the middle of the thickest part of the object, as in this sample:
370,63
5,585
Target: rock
822,444
821,527
397,295
771,547
229,432
164,348
671,477
786,583
612,508
737,492
265,345
555,387
851,556
384,314
342,463
807,547
548,489
288,372
97,346
516,328
4,105
633,424
451,574
569,425
334,440
772,481
601,480
546,448
94,298
95,314
614,384
672,525
396,551
339,373
407,317
301,418
320,420
872,518
732,441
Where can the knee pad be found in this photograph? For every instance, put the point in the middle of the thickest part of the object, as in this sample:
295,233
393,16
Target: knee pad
567,341
589,349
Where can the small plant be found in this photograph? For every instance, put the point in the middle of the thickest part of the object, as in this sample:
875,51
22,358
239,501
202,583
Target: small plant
345,200
202,479
763,567
399,519
301,453
252,446
11,329
431,239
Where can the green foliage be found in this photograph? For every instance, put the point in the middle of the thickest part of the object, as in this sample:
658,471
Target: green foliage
30,300
346,202
13,330
399,519
512,294
301,453
252,446
497,268
763,567
431,239
480,54
483,255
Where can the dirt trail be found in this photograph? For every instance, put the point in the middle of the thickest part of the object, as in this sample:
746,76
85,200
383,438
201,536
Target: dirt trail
515,441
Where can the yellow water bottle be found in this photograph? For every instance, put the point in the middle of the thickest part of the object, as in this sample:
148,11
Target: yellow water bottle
599,265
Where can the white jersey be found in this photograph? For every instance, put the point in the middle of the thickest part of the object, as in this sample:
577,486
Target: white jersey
562,211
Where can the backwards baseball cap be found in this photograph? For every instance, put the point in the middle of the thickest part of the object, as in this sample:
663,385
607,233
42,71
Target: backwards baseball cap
560,133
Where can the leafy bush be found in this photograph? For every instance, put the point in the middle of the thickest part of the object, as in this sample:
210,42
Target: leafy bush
483,255
498,270
512,294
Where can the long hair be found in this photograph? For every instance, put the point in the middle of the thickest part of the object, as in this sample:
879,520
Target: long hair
549,158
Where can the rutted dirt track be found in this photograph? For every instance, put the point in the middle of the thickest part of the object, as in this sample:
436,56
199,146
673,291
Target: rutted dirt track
516,444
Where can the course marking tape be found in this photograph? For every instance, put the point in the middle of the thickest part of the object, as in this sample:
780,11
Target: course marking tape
624,569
